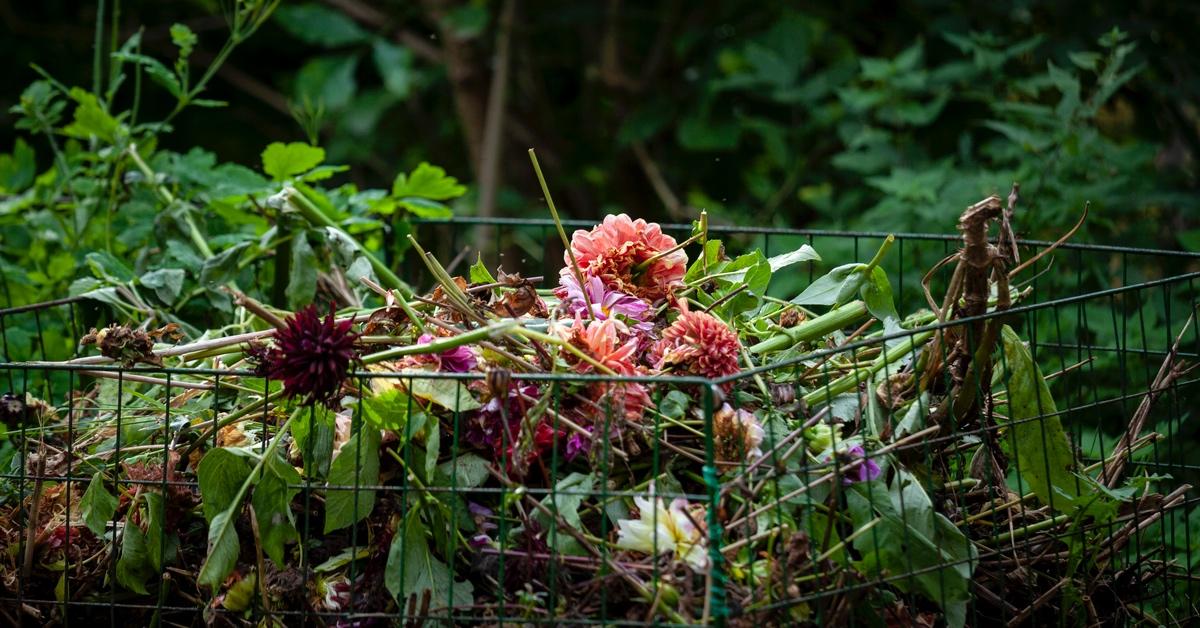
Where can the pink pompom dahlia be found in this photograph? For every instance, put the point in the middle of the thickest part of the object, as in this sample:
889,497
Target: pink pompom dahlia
698,344
615,251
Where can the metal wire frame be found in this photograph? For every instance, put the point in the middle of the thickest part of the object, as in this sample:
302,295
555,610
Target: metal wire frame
1101,378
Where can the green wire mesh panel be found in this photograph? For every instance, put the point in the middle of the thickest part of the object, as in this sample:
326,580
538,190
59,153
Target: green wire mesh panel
1052,488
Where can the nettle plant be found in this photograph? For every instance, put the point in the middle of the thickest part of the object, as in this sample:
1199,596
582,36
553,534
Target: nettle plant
92,207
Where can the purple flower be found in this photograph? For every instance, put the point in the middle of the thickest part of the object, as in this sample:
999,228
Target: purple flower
864,469
605,303
457,360
486,429
578,444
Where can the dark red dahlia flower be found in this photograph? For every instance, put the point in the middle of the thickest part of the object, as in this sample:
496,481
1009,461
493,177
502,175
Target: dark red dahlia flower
312,356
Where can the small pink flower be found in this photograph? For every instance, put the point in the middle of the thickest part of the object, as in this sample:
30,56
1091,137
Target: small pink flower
698,344
614,251
456,360
605,303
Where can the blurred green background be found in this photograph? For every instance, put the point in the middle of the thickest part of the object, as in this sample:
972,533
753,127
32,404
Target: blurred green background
846,115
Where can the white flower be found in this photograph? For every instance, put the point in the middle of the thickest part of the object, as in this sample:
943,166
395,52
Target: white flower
660,529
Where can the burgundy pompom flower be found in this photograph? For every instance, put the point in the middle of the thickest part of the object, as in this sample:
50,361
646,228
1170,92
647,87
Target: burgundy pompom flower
312,356
699,344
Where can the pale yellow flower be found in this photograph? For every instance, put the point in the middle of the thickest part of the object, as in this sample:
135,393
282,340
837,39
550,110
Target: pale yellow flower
660,529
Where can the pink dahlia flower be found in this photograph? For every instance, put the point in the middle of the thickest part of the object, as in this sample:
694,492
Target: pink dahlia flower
698,344
605,343
614,250
605,303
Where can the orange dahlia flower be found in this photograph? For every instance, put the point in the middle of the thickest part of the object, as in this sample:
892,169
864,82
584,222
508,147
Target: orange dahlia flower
604,341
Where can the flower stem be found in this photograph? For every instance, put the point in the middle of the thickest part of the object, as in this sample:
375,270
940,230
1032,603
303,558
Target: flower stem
445,344
883,249
562,233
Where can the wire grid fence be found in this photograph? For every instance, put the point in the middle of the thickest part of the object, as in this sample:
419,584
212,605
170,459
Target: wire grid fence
1099,321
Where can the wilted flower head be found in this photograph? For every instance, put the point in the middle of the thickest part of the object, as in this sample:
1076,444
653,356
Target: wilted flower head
660,529
737,434
457,360
312,356
698,343
615,250
607,345
500,425
864,469
604,342
606,303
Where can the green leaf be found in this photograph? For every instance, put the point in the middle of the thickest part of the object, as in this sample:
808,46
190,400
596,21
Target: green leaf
221,474
424,207
929,546
674,404
450,394
272,507
388,410
329,81
712,256
314,23
91,119
223,549
805,253
833,288
133,567
877,295
105,266
566,499
17,170
356,465
281,161
395,64
97,505
1043,453
433,443
166,283
427,181
184,39
221,267
412,569
155,69
302,280
464,472
155,528
480,273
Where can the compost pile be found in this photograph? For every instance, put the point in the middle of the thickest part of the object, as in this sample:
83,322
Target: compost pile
652,439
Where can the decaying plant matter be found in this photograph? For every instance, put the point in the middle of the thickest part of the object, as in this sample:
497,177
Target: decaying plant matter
655,439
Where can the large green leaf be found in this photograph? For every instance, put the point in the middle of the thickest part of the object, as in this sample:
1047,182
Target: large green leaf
412,569
355,466
133,567
914,540
835,287
97,505
1042,452
221,474
272,507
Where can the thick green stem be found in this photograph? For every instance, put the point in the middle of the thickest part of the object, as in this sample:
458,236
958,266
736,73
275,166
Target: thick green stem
444,344
851,381
823,325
